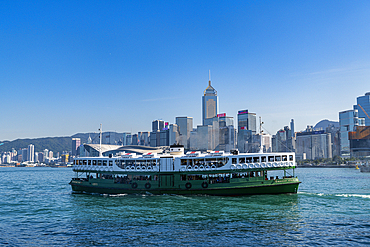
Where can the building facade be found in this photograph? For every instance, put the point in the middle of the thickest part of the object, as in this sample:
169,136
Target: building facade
76,142
209,104
185,125
312,144
363,107
247,128
348,120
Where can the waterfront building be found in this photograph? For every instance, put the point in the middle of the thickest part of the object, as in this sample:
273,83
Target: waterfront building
292,128
30,153
209,104
24,154
312,144
246,129
360,141
126,139
283,141
174,133
168,135
335,139
363,107
205,137
40,156
155,135
347,122
158,125
135,139
261,139
76,142
185,125
46,154
109,138
226,132
143,138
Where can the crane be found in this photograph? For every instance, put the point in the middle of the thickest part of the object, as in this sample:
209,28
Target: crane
364,111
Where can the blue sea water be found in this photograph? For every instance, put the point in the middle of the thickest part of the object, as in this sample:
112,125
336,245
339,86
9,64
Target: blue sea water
37,208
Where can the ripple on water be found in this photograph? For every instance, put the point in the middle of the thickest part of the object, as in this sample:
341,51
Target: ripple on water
38,208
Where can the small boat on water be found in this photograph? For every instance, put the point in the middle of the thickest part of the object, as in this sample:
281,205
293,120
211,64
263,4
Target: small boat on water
365,167
214,173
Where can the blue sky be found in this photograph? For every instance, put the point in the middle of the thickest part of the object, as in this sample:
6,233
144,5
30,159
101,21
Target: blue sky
67,66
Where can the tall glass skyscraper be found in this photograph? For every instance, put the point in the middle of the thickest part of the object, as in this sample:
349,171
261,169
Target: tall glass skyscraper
348,120
363,107
246,129
209,104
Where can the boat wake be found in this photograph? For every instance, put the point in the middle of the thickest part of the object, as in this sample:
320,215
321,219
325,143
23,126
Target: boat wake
337,195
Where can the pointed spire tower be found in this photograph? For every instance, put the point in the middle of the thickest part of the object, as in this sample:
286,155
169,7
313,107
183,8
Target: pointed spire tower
209,103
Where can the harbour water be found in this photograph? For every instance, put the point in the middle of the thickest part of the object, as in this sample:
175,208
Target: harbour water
37,208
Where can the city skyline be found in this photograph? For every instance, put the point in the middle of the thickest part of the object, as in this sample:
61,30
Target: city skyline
67,67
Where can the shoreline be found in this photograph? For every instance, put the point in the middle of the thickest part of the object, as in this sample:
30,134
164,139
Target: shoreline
326,166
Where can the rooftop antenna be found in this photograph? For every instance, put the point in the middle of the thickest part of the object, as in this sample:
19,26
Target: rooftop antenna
100,137
209,76
261,133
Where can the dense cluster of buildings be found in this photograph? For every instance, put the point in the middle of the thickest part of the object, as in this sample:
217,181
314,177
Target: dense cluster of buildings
350,138
28,156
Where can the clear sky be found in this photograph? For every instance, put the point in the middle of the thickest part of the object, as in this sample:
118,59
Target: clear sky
67,66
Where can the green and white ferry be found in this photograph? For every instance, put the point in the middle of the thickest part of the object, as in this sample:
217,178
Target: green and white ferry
213,173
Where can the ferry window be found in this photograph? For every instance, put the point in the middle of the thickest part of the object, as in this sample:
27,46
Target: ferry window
89,162
277,158
200,162
85,162
284,158
94,162
110,163
219,178
76,162
271,159
249,160
256,159
290,157
263,159
99,162
129,162
242,160
234,160
184,162
104,163
183,177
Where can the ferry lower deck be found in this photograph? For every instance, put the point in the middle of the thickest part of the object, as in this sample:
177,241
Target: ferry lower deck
221,183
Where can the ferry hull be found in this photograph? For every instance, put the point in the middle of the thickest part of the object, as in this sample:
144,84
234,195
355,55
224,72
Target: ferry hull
276,188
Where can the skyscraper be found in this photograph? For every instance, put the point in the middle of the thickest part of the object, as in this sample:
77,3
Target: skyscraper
76,142
158,125
246,129
209,104
363,107
347,122
30,153
185,125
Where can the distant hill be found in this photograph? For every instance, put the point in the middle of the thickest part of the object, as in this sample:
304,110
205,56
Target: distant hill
55,144
323,124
